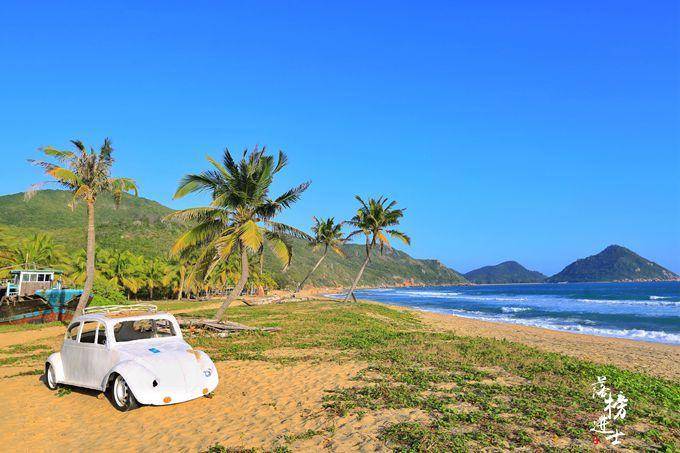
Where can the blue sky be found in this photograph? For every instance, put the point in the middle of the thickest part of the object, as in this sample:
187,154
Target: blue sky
535,131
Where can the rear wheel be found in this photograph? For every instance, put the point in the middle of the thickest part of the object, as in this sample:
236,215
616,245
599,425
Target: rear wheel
50,377
121,395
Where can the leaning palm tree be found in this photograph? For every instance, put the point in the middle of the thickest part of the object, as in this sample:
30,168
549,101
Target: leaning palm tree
327,234
87,174
240,217
374,219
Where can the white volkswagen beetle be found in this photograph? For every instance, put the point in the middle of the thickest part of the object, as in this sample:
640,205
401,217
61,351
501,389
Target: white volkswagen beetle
133,352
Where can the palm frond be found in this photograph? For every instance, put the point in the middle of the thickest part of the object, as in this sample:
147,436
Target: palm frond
399,235
282,228
250,235
282,249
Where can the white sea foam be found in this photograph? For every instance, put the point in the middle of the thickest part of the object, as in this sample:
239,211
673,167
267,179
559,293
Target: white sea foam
514,309
570,326
648,303
659,297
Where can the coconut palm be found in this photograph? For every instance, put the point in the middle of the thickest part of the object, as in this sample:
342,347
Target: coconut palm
154,275
240,217
327,234
122,268
375,219
76,268
39,250
87,174
178,272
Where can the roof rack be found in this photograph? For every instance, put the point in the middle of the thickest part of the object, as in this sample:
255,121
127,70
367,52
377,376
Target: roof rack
115,309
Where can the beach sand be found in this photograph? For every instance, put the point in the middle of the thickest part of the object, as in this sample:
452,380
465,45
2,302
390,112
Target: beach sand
259,404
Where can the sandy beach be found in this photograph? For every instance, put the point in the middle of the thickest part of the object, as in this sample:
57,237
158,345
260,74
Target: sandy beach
259,404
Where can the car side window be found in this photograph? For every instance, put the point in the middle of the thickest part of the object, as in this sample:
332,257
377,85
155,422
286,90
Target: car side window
101,334
72,332
89,332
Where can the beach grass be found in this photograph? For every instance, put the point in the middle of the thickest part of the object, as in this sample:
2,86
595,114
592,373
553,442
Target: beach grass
22,327
476,392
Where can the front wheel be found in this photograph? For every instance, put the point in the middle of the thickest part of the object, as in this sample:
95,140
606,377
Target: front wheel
121,395
50,377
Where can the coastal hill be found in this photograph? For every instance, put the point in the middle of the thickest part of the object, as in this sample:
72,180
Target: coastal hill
137,225
506,272
615,263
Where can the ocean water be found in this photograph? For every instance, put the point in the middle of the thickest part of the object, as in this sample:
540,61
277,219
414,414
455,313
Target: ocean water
638,311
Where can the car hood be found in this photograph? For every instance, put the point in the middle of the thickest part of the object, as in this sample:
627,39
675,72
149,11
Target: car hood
172,362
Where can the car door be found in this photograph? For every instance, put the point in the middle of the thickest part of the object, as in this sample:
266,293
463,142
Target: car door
93,355
100,359
69,352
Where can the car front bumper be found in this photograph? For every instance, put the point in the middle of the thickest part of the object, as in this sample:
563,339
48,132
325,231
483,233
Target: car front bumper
161,396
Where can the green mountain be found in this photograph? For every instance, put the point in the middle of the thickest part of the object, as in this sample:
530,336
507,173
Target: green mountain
615,263
506,272
137,226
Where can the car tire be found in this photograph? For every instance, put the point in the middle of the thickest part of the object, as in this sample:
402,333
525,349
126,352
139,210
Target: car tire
121,396
50,377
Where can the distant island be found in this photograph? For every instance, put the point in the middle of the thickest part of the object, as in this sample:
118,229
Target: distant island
505,272
613,264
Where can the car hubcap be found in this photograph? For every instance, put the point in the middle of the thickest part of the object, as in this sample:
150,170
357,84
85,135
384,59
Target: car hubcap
120,392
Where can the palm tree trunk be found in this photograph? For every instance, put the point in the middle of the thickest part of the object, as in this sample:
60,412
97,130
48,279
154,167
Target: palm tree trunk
89,279
181,285
239,286
304,280
361,271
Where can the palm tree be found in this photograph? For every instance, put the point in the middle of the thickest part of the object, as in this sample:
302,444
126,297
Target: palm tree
76,268
35,251
177,276
327,234
86,175
122,268
240,217
154,275
375,219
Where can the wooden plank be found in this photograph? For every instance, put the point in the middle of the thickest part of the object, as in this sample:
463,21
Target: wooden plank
223,326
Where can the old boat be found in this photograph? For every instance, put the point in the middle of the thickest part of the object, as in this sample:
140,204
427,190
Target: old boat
34,296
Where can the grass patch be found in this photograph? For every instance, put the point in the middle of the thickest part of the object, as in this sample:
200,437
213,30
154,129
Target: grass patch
21,327
477,392
24,348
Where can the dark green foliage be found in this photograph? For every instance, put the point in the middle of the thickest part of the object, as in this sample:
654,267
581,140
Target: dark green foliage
107,292
615,263
506,272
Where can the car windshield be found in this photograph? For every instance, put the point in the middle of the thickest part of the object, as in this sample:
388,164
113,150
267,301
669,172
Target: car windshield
142,329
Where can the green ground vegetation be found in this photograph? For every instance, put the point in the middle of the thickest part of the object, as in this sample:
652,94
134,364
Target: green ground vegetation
476,392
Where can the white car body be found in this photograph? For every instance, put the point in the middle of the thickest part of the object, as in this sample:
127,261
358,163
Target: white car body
159,371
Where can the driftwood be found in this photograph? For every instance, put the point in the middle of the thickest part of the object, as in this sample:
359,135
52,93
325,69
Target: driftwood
222,327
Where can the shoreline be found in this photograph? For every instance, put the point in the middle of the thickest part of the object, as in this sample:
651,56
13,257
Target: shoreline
606,334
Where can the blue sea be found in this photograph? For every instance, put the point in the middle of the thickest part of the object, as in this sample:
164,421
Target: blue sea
638,311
